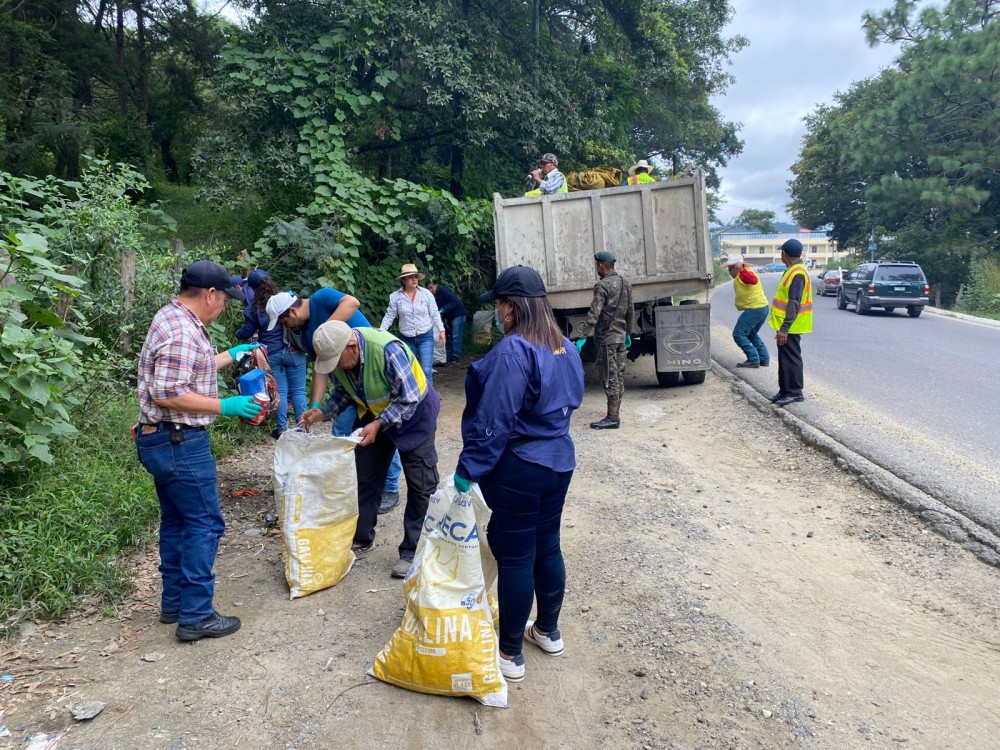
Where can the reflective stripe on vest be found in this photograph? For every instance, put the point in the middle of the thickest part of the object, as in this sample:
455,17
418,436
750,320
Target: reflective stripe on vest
377,389
803,322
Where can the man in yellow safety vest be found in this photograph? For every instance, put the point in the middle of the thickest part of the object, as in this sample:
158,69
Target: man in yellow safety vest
791,316
640,173
550,180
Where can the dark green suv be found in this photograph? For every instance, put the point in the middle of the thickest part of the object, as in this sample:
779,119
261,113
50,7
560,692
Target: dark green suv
887,284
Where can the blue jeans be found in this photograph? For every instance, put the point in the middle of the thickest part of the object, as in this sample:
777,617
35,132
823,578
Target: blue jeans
746,337
289,369
422,346
344,425
191,521
453,344
527,503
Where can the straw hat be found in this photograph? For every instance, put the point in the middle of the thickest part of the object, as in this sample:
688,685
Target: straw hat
410,269
643,164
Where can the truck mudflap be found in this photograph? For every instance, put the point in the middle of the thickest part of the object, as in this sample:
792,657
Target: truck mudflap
683,342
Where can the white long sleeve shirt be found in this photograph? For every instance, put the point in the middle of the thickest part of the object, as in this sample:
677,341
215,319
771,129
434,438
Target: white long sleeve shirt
416,316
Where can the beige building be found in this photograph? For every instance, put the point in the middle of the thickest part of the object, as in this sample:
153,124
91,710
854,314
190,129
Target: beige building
761,249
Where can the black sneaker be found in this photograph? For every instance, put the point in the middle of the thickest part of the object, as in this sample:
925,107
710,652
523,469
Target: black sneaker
360,547
389,501
749,364
277,432
608,423
215,626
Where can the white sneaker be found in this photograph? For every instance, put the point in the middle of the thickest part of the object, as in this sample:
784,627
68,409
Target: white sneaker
551,643
512,669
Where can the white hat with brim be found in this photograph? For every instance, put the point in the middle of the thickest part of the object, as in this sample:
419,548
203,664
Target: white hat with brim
732,261
643,164
329,342
277,306
410,270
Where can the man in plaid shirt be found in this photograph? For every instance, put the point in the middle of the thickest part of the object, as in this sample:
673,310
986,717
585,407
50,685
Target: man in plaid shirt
397,408
178,399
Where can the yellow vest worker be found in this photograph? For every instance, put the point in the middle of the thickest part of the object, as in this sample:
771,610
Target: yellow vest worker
639,173
791,316
752,302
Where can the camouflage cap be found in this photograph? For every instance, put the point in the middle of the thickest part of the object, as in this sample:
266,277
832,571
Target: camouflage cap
550,159
605,256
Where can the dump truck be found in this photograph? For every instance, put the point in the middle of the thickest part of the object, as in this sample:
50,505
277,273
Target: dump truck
658,232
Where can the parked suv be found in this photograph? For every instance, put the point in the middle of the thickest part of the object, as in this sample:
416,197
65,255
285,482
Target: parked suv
886,284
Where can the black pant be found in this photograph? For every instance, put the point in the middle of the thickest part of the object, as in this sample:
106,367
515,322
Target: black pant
419,468
790,379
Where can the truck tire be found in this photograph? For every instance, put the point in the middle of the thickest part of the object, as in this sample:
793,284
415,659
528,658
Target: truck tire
694,377
841,301
668,379
914,311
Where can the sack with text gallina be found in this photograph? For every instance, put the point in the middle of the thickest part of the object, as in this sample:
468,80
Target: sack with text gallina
316,491
447,644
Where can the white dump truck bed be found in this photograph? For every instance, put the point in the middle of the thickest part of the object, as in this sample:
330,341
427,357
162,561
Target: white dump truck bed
658,232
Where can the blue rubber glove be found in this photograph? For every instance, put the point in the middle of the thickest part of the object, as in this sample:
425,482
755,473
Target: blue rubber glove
628,341
239,349
461,483
240,406
579,344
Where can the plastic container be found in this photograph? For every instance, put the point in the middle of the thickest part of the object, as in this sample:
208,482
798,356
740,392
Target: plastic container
253,383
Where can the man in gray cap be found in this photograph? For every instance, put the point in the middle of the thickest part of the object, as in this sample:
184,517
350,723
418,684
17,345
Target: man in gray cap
397,409
550,180
609,321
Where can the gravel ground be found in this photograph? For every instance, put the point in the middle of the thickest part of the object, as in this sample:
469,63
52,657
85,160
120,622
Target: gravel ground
729,587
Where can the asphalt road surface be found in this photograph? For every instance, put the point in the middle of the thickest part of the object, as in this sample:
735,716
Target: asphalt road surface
917,396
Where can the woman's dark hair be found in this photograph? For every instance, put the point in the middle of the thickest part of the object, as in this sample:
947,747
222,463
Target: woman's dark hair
264,292
534,321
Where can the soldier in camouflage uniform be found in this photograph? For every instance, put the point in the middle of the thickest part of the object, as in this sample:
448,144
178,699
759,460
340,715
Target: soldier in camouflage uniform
609,321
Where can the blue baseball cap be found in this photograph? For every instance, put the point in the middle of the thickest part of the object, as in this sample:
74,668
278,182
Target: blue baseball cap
792,247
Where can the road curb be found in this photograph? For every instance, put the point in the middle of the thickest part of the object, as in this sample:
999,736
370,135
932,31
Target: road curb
950,524
988,322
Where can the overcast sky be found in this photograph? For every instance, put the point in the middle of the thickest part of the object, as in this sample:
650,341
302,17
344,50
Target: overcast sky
801,53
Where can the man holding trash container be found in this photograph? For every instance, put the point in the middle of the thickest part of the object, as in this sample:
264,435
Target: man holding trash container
178,399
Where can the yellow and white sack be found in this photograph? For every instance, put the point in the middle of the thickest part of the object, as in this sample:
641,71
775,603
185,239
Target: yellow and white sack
316,492
447,644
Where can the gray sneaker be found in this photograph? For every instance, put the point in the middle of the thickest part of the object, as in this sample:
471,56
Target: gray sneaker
389,501
401,568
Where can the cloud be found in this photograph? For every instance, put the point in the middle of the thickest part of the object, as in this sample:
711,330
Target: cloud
800,55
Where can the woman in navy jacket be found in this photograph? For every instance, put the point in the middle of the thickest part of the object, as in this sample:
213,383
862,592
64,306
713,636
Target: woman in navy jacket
516,445
288,362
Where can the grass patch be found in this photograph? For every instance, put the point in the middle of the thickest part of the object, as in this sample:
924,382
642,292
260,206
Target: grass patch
64,528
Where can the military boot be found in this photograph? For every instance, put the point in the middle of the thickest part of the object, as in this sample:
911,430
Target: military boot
611,421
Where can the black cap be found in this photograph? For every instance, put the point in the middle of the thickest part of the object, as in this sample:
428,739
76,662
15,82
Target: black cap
204,274
792,247
516,281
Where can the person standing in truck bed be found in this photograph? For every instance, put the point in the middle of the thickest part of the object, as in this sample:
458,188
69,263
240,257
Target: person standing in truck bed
609,321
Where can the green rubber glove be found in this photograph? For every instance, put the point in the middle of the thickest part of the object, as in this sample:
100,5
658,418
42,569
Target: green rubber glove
579,344
239,349
240,406
628,341
461,483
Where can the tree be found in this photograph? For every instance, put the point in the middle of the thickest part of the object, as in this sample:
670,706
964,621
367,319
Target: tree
756,220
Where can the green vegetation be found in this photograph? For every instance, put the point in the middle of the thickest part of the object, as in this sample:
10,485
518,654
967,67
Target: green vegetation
908,159
328,142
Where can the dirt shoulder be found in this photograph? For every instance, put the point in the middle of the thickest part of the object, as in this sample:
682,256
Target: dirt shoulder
728,587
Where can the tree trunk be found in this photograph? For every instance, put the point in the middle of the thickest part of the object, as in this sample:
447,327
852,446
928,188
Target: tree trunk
8,279
128,300
178,247
120,60
143,72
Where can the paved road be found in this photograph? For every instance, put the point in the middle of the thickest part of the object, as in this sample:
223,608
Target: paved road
916,396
